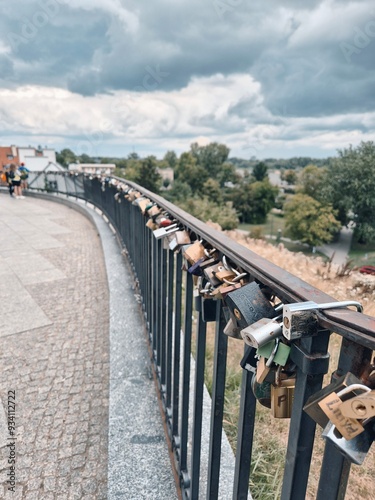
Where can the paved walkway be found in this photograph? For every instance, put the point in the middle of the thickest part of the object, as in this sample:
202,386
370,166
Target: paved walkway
54,353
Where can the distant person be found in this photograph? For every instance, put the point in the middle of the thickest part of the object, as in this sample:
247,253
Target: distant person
14,176
24,175
9,177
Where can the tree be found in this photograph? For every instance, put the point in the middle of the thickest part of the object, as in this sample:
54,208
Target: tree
310,221
254,200
65,157
146,174
190,172
289,176
260,171
170,158
205,210
312,181
351,188
210,157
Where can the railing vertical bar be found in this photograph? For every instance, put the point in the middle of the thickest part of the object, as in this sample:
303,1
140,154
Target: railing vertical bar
245,436
186,371
301,440
158,304
168,381
217,408
163,316
198,405
154,292
177,345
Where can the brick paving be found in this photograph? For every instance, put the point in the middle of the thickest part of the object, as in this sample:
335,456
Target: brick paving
60,371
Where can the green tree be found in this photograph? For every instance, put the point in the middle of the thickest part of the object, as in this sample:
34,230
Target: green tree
260,171
211,189
210,157
65,157
171,159
145,173
310,221
312,181
190,172
351,188
254,200
289,176
205,210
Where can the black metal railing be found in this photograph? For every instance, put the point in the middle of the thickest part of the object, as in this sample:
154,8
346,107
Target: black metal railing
168,295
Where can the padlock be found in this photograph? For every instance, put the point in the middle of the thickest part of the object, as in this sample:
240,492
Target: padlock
261,332
194,252
208,309
282,395
162,232
262,392
362,406
300,319
356,449
141,203
282,353
249,305
179,239
348,427
264,365
210,273
151,225
312,407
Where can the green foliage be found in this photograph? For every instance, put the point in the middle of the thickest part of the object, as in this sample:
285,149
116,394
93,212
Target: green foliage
190,172
211,189
179,191
260,171
204,209
310,221
210,157
254,200
170,158
312,181
145,173
65,157
289,176
351,188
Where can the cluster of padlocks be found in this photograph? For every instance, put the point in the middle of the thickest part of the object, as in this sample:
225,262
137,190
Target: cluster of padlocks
345,408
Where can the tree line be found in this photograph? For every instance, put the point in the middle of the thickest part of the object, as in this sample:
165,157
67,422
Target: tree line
209,185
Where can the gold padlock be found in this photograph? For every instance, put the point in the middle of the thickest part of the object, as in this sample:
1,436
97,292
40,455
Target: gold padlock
195,252
282,396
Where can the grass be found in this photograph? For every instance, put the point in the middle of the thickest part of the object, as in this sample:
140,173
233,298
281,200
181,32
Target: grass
271,227
362,255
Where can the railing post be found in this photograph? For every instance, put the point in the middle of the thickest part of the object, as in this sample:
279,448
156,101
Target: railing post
217,409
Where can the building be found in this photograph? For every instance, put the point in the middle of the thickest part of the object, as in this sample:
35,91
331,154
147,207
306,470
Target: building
34,159
8,155
93,168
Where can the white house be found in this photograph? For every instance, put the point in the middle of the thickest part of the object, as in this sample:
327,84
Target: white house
93,168
37,160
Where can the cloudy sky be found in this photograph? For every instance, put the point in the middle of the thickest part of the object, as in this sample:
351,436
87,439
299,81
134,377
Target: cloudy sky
267,78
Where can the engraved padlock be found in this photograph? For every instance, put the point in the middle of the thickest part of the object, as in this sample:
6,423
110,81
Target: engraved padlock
249,305
300,319
312,407
162,232
348,427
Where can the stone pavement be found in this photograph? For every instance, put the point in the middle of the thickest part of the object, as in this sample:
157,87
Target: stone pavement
54,353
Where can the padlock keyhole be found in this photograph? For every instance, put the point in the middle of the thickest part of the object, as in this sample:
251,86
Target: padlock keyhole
360,409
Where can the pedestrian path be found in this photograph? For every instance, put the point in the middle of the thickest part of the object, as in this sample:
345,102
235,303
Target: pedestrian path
57,323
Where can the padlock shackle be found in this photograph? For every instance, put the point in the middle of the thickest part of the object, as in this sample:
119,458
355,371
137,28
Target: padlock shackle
353,387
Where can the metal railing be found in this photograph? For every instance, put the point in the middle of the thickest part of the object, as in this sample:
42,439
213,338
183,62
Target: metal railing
167,293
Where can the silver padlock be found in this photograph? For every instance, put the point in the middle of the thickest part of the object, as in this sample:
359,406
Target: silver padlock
262,332
300,320
357,448
162,232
